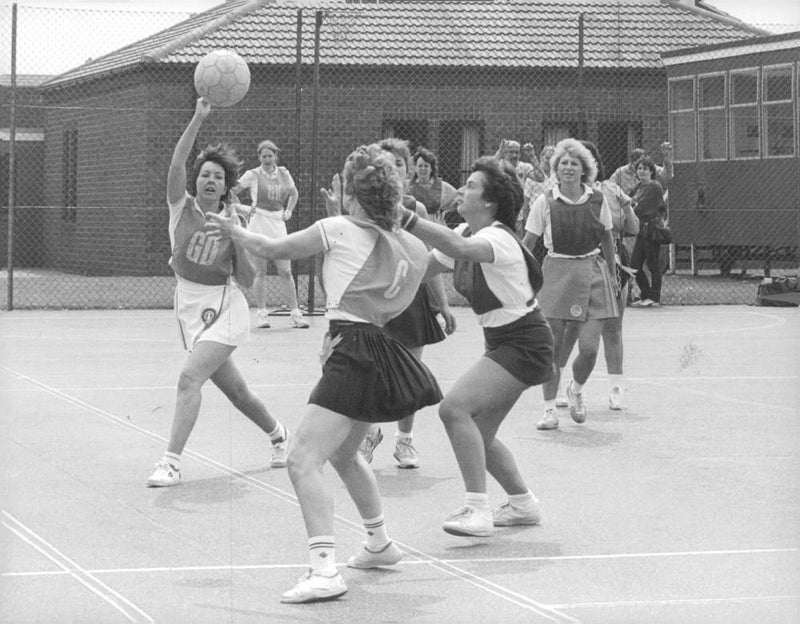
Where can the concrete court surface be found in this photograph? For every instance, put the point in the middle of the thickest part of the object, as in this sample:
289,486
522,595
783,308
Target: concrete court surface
684,508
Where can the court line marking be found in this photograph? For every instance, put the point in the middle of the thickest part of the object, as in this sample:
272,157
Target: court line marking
279,386
674,601
449,569
711,395
84,577
283,566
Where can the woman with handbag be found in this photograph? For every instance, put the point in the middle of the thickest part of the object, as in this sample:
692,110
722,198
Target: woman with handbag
649,206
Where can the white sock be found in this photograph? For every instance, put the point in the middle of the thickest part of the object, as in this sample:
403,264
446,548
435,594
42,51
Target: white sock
577,388
616,380
550,405
322,553
173,459
278,434
559,390
402,435
522,501
377,537
479,500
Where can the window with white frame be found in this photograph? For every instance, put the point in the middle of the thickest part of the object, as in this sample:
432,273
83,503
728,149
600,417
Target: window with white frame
682,120
745,133
778,111
712,120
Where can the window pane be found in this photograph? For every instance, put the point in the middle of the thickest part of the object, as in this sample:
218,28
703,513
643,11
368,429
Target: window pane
780,129
712,91
744,88
777,84
681,94
712,134
683,136
746,137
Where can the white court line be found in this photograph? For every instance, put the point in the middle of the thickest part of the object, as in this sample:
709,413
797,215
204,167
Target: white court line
711,395
450,569
674,601
81,575
276,566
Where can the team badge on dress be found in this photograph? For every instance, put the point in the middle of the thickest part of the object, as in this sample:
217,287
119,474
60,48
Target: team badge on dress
576,310
208,316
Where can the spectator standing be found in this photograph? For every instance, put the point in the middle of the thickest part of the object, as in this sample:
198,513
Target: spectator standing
427,187
648,204
626,176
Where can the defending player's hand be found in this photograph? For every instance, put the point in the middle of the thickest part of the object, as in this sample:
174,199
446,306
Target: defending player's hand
221,224
333,197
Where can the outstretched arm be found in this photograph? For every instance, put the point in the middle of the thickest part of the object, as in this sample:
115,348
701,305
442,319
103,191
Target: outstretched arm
176,177
293,247
447,241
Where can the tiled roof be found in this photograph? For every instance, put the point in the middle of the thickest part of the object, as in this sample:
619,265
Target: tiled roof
513,33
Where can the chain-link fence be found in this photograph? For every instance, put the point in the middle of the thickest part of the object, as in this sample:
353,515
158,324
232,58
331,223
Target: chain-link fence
88,145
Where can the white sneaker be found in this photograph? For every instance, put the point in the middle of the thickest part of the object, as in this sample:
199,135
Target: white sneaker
315,586
280,451
548,421
366,558
615,398
262,319
509,515
164,475
577,408
405,453
561,401
297,320
369,444
470,521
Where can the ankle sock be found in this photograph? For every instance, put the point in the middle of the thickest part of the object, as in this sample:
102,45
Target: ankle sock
173,459
322,553
377,537
615,380
479,500
278,434
523,502
577,388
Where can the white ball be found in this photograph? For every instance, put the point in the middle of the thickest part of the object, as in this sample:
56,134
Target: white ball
222,78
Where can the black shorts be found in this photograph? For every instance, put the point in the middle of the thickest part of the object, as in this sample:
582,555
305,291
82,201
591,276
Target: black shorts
524,348
371,377
417,326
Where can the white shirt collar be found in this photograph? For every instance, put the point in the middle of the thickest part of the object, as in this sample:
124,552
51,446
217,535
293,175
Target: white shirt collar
587,192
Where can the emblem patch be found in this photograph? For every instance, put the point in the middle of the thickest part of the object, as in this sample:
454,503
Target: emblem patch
208,316
576,310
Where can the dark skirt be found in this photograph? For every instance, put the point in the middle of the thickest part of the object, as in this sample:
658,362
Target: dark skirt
417,326
371,377
524,348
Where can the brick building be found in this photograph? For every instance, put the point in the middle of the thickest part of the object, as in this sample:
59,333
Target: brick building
456,77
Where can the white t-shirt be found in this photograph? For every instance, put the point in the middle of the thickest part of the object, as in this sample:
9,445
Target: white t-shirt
506,276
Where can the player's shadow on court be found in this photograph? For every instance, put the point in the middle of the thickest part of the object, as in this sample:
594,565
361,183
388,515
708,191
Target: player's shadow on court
186,497
395,482
578,436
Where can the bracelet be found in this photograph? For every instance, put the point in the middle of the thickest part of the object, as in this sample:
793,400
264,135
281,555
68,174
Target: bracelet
406,217
408,224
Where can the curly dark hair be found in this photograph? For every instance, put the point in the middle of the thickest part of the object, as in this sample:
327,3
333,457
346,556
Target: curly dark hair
601,171
430,158
226,158
371,177
502,188
647,162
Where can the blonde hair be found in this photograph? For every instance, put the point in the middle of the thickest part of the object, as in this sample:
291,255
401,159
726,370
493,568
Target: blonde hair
574,148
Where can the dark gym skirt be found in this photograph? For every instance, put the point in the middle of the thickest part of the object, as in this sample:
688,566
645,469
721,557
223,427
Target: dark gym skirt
371,377
524,348
417,326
